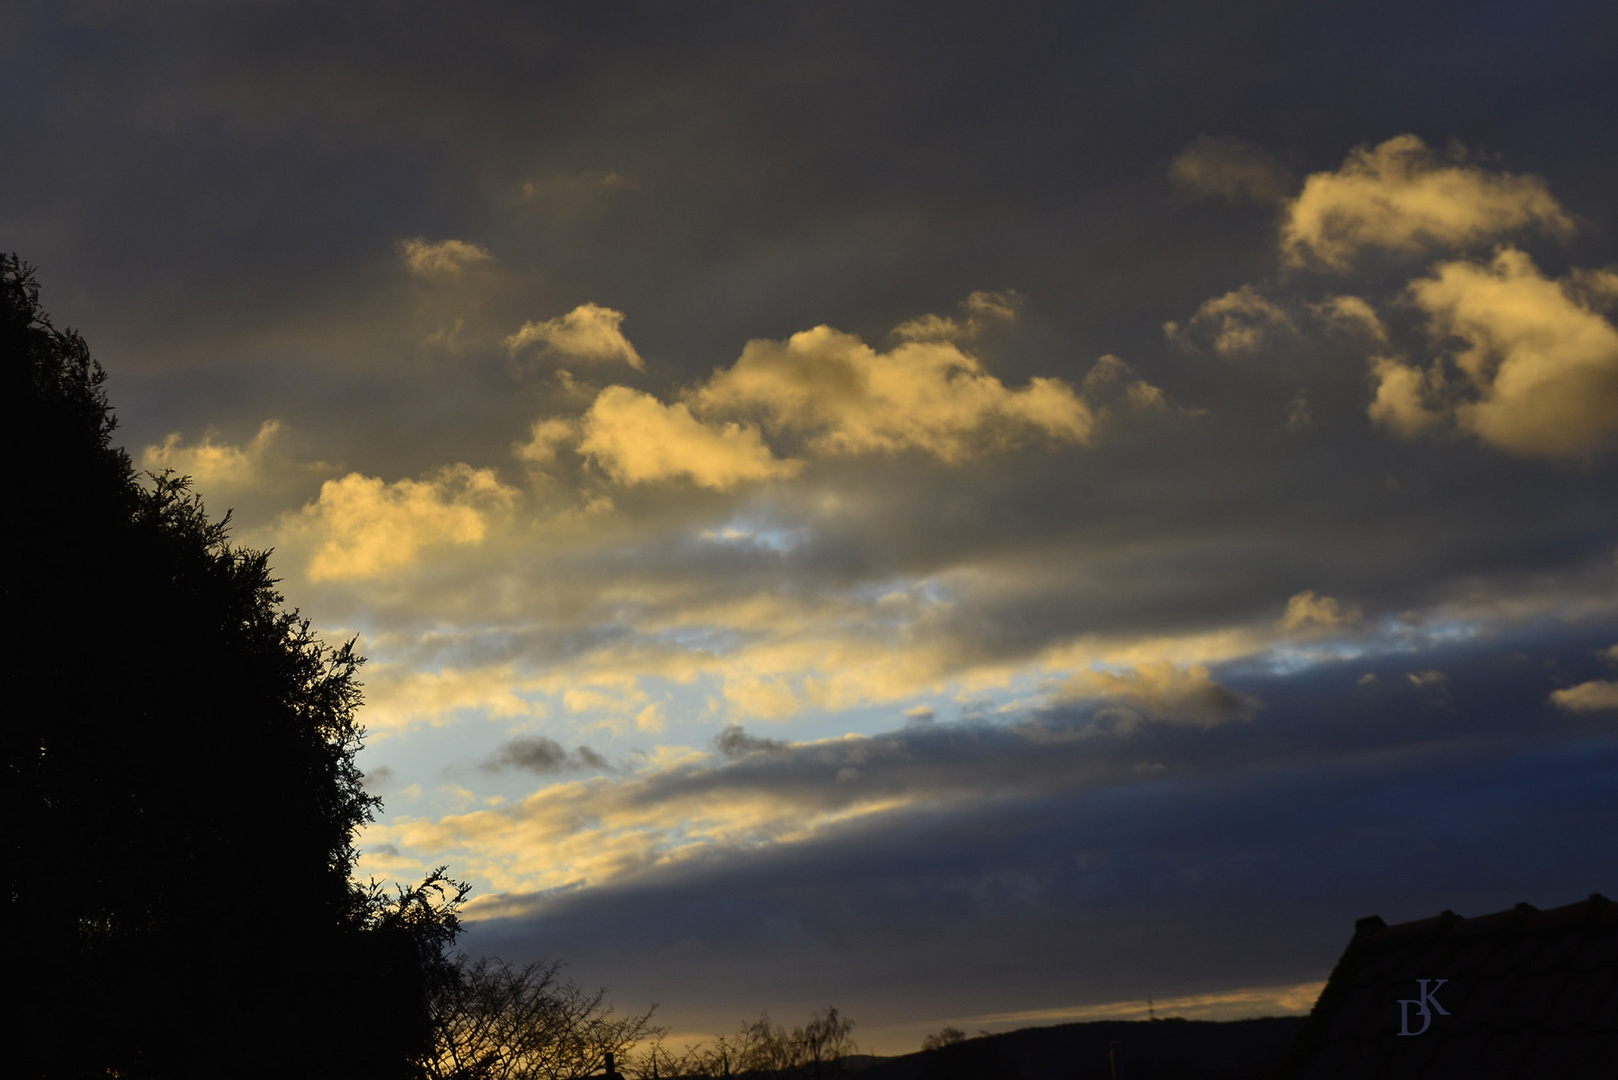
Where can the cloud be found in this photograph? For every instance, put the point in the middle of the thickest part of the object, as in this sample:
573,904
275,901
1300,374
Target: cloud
541,755
1402,402
1427,678
364,527
982,310
1351,313
1236,322
213,465
1164,691
1401,196
445,259
637,439
1539,366
589,333
734,742
1229,169
1225,1005
1305,610
1593,696
546,436
1109,380
928,395
397,697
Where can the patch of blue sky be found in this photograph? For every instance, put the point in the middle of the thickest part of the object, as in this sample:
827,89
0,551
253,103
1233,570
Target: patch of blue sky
758,532
1387,637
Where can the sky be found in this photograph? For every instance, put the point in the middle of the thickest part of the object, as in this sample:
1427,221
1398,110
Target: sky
969,514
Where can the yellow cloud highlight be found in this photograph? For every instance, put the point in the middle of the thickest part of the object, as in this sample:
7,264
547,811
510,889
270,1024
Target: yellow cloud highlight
926,395
1352,313
397,697
592,831
1540,364
365,527
1402,196
981,308
1307,611
1236,322
1224,1005
212,464
1404,393
545,438
1164,691
445,259
589,332
637,439
1593,696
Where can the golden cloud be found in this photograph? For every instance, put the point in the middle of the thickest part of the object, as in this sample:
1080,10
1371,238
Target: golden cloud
588,832
1593,696
926,395
1540,366
638,439
1305,610
589,332
445,259
1236,322
363,527
1402,196
981,308
1163,691
1404,393
1352,313
397,697
212,464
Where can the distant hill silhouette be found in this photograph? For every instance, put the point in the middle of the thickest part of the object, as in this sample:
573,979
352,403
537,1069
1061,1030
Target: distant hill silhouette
1145,1050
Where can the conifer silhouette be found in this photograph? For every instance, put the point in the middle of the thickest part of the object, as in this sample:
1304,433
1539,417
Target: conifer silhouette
180,790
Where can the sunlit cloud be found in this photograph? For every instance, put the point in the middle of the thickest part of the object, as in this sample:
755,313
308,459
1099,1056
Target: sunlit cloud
848,398
590,333
1234,323
1224,1005
1402,196
1594,696
637,439
1163,691
444,259
214,465
1539,367
980,310
1229,169
398,697
1307,611
361,527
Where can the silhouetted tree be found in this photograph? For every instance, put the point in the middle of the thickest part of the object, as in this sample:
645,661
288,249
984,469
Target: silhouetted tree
180,791
496,1022
760,1048
948,1036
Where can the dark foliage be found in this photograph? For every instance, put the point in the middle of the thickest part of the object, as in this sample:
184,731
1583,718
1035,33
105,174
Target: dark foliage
180,791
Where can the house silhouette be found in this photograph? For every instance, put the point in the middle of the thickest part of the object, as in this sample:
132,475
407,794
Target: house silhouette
1518,994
